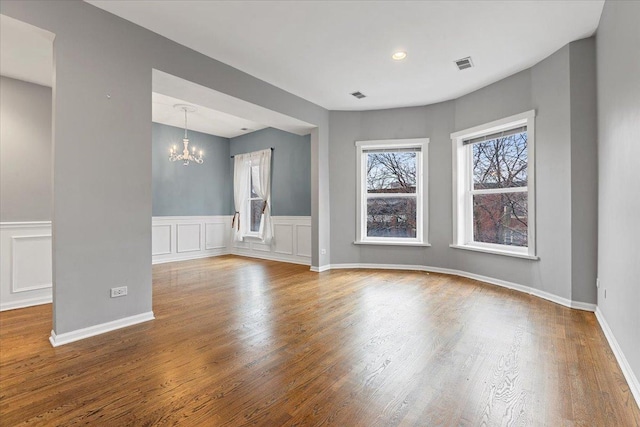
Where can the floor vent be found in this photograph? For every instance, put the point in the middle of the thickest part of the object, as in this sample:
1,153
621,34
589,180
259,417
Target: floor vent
359,95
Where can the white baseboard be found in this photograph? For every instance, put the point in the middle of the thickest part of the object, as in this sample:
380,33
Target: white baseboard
271,256
502,283
28,302
321,268
632,380
68,337
585,306
188,256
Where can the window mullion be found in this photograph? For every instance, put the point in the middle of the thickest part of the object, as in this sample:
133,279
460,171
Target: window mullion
500,190
389,195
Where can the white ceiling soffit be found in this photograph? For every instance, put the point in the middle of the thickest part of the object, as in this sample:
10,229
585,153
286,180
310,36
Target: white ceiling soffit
223,104
204,119
324,50
26,52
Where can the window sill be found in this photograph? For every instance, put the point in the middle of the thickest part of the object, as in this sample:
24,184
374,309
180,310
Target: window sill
378,243
495,252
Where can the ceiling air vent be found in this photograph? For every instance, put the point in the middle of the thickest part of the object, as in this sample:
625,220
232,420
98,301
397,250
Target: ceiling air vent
359,95
464,63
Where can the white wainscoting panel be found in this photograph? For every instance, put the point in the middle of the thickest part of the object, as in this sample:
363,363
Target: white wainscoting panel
178,238
161,239
188,237
25,265
303,241
25,274
216,235
284,242
291,242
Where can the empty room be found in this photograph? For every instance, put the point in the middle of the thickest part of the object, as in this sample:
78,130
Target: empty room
305,213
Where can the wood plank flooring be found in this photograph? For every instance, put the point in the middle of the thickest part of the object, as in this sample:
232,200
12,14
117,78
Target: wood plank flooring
240,341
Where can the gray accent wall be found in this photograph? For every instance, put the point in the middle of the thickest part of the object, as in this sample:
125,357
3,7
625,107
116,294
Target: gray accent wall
194,189
618,68
291,168
102,181
25,151
549,89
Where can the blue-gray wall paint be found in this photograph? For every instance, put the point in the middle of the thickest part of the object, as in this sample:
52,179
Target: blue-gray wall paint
180,190
291,168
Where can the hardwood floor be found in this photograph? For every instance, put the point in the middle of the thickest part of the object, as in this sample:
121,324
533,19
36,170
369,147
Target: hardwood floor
239,341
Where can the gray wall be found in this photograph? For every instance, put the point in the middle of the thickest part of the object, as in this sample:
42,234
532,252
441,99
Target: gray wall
618,43
25,151
291,168
545,87
180,190
102,110
584,170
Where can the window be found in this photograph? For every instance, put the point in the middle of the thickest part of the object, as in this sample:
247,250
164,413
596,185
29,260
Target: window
256,204
494,198
252,196
392,188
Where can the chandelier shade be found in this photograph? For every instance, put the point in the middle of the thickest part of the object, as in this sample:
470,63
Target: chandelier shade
185,156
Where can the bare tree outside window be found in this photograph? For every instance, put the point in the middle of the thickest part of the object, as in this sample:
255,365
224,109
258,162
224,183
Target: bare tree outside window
500,199
391,172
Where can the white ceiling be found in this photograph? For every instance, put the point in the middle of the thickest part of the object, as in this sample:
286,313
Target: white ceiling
224,106
26,52
324,50
204,119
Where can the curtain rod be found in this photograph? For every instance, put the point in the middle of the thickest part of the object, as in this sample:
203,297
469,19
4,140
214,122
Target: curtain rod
245,153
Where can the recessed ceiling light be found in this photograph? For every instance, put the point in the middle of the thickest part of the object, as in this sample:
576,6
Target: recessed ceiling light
399,55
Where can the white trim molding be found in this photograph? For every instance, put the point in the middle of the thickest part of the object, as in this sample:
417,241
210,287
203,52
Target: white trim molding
210,236
291,242
26,302
421,195
490,280
464,191
79,334
25,224
181,238
632,380
26,264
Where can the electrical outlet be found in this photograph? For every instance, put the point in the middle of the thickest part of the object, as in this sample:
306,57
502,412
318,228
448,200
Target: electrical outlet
597,282
323,251
118,292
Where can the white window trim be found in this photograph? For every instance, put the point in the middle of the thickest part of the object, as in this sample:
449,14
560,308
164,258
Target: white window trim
422,196
462,217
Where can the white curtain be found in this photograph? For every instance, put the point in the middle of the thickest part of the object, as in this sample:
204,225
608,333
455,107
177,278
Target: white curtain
262,186
241,194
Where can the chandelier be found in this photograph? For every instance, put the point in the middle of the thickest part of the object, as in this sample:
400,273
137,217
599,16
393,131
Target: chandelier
186,156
